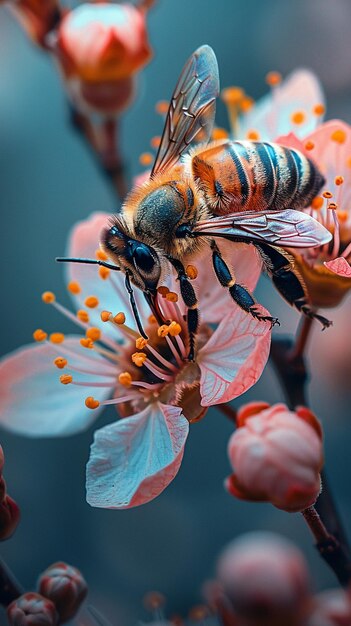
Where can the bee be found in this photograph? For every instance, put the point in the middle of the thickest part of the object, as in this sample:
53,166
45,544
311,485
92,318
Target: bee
200,191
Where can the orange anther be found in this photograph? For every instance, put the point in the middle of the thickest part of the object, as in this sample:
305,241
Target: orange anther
101,255
319,109
343,216
348,162
317,202
298,117
332,206
140,343
74,287
338,180
105,316
66,379
39,335
57,337
153,600
83,316
309,145
246,104
162,107
120,318
171,296
163,290
91,302
273,79
191,271
138,358
104,272
327,194
232,95
125,379
86,343
48,297
60,362
174,329
162,331
219,133
152,319
146,158
93,333
155,142
91,403
252,135
339,136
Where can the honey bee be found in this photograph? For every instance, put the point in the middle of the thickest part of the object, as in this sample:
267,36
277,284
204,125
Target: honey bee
200,191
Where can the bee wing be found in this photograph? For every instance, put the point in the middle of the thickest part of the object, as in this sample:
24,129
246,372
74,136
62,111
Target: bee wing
288,228
192,109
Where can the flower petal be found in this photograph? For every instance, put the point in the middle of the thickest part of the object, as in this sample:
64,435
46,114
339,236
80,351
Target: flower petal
34,402
234,357
339,266
134,459
271,116
111,293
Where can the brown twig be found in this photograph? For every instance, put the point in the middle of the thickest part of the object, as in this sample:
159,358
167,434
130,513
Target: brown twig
10,589
228,411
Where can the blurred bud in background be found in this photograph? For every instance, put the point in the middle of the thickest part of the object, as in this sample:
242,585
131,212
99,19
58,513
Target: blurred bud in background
276,455
37,17
100,47
9,511
65,586
31,609
333,608
265,580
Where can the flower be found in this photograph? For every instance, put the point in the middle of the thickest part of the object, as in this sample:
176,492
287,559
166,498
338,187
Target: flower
156,390
332,608
99,48
65,586
277,455
31,609
326,270
9,511
265,578
37,17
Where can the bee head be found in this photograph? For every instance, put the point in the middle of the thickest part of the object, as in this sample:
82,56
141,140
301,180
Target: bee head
134,257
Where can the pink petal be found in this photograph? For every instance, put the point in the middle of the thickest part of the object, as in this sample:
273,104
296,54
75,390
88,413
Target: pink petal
271,116
111,293
34,402
134,459
234,357
339,266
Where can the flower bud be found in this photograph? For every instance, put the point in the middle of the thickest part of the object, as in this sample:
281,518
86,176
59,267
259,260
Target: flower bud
31,609
9,517
277,455
37,17
100,47
332,608
265,578
65,586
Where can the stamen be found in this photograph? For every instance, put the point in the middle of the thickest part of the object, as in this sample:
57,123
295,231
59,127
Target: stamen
191,272
105,369
336,245
139,358
93,333
104,272
125,379
60,362
161,107
219,133
317,203
232,98
146,158
162,360
101,255
174,329
273,79
163,291
327,194
309,145
140,343
174,351
86,343
339,136
152,319
91,403
48,297
339,180
91,302
105,316
155,142
342,216
253,135
171,296
117,400
347,251
298,117
247,104
74,287
66,379
39,335
157,371
162,331
90,384
120,318
57,337
319,109
83,316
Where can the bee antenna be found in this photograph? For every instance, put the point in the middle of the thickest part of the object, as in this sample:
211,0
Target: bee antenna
134,306
61,259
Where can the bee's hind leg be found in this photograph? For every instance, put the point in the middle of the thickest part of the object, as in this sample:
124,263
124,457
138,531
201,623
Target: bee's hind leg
279,265
190,301
240,295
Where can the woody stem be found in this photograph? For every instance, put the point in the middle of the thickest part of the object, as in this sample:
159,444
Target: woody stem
228,411
9,587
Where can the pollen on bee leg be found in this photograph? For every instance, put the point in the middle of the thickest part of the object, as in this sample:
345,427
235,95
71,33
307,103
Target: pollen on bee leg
83,316
39,335
174,329
140,343
119,318
163,330
171,296
273,78
125,379
60,362
91,403
191,272
105,316
91,302
163,291
101,255
93,333
139,358
66,379
74,287
48,297
104,272
57,337
317,202
298,117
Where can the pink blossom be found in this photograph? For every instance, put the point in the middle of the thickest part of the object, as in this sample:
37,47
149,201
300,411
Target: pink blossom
32,609
276,455
9,511
65,586
157,391
332,608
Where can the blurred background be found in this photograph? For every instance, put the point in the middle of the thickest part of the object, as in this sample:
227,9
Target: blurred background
48,182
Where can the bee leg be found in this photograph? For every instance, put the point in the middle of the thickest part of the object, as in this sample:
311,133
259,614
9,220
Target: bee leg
290,285
239,294
190,301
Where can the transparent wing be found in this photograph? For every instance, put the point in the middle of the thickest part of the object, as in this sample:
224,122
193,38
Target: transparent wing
192,109
288,228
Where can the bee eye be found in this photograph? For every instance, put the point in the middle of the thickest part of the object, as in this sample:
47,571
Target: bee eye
143,258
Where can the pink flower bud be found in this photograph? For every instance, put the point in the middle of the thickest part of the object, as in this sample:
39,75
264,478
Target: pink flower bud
65,586
9,517
277,455
100,47
31,609
37,17
266,580
333,608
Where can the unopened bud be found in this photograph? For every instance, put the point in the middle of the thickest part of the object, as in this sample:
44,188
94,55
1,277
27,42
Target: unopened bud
65,586
31,609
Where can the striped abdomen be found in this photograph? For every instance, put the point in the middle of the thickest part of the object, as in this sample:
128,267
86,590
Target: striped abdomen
254,176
